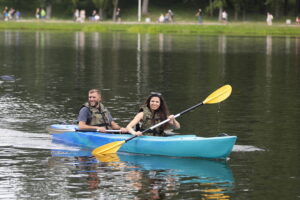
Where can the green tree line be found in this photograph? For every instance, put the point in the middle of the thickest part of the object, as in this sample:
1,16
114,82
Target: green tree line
238,9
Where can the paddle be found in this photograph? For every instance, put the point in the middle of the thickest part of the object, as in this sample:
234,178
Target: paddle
217,96
95,130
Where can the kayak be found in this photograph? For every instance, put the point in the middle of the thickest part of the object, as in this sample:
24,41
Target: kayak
61,128
175,146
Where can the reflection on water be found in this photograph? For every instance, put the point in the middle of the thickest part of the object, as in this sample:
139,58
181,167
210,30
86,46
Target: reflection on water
297,44
151,177
269,59
222,44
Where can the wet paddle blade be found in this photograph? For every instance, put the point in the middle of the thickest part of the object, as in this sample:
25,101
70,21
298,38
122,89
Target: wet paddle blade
108,157
112,147
219,95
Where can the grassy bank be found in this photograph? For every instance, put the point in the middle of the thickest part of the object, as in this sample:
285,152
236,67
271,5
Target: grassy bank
238,29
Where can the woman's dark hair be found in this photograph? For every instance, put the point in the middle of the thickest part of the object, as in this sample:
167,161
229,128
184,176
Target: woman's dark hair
163,110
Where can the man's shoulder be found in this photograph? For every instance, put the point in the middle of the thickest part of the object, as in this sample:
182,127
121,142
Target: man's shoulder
84,109
84,114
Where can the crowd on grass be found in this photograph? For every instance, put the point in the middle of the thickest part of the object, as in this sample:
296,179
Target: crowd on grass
9,14
80,16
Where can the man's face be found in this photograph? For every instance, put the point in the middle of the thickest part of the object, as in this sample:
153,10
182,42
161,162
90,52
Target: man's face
94,99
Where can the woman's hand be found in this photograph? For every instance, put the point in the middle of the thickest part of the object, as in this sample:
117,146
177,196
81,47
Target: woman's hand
138,133
172,119
174,122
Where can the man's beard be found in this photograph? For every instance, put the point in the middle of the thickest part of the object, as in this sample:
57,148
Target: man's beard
96,104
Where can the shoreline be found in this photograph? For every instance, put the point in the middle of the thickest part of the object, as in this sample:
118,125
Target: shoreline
207,28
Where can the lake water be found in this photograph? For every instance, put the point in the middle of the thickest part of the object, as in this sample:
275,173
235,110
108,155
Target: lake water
44,79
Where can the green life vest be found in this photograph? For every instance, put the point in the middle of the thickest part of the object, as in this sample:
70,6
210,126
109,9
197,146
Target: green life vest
99,115
149,120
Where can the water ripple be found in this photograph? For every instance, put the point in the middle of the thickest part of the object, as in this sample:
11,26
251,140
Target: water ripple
246,148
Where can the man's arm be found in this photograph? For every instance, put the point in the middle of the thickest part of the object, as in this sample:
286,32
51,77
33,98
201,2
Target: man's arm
83,125
116,126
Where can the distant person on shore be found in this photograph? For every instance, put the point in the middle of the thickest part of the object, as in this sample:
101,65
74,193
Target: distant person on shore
94,115
171,16
224,17
43,14
118,15
18,15
37,13
76,15
297,20
199,16
11,13
269,19
5,14
82,16
161,18
167,18
95,16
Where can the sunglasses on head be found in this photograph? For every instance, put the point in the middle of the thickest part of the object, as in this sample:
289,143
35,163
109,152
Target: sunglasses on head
155,93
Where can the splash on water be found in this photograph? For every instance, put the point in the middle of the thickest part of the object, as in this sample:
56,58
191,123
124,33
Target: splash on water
18,139
246,148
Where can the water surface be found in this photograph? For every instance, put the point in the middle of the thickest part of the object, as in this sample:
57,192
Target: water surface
50,74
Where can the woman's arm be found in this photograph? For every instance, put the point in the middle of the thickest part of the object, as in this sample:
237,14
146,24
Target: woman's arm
116,126
134,122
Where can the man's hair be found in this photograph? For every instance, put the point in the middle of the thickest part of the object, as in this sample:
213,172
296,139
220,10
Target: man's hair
95,91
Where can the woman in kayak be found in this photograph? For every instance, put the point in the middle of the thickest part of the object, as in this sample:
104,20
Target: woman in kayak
152,112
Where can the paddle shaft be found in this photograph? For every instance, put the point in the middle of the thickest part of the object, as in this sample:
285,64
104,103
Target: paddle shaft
95,130
167,120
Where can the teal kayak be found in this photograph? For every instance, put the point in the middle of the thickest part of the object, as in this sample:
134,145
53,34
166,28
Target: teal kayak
176,145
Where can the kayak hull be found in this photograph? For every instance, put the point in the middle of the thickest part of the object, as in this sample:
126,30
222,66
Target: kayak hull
177,145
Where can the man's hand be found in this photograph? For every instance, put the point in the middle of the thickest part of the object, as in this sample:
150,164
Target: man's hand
101,129
123,130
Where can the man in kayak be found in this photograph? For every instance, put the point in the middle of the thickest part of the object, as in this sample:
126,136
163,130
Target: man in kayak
155,110
93,115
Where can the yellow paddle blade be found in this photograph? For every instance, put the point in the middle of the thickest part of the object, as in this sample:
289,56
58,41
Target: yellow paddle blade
219,95
113,157
112,147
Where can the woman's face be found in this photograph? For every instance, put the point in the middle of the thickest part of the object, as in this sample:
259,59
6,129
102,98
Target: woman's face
154,103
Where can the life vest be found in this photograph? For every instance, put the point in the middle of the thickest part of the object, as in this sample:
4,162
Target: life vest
99,116
149,120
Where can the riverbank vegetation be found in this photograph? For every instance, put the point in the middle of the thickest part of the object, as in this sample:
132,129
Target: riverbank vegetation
238,10
237,29
247,17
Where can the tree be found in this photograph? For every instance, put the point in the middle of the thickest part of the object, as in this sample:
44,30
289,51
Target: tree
145,7
74,3
297,11
115,6
102,6
48,5
216,4
277,6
